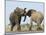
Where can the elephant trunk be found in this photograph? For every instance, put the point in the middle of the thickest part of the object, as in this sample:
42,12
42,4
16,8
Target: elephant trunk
24,14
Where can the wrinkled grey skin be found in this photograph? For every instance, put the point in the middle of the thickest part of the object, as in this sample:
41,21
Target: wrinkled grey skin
15,17
18,12
37,17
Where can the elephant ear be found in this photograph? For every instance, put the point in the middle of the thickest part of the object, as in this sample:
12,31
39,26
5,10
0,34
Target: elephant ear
30,12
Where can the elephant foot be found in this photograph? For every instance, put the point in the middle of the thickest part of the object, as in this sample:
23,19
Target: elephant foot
11,29
39,28
19,28
30,28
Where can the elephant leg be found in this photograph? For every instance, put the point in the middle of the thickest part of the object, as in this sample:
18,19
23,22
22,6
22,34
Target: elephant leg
30,28
12,27
39,25
18,27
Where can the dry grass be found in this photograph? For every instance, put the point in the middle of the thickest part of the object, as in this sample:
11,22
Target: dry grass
24,28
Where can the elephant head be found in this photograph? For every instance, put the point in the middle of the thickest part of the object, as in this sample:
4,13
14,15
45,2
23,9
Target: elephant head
19,11
30,12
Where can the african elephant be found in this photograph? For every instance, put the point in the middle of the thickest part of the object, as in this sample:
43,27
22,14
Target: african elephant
15,17
36,16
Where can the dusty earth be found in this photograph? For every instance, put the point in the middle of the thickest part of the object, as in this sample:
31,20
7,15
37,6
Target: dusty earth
24,28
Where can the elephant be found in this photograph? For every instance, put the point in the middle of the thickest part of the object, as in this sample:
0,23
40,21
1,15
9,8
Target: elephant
36,16
15,17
